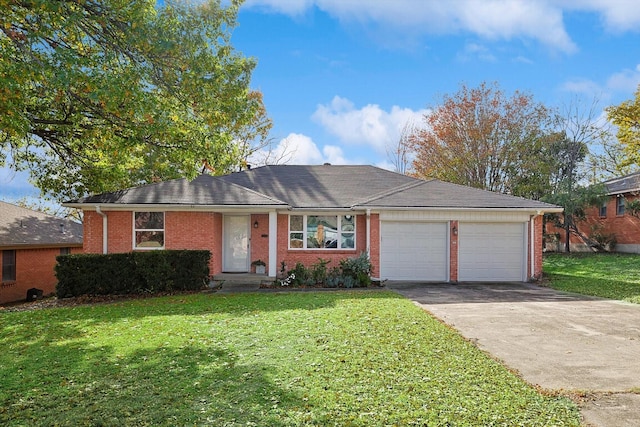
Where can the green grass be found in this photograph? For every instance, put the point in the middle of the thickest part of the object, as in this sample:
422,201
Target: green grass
605,275
367,358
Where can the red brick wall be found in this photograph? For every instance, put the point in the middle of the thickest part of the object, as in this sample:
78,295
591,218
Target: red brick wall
538,224
92,232
453,251
34,269
625,227
309,257
374,255
196,230
183,230
260,240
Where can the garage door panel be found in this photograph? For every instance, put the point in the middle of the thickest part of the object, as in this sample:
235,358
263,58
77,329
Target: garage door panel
413,251
491,251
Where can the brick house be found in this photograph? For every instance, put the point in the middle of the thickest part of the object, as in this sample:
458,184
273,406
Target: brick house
412,229
30,241
609,219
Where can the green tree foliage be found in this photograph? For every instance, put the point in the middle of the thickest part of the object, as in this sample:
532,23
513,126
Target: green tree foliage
578,129
97,95
483,138
626,117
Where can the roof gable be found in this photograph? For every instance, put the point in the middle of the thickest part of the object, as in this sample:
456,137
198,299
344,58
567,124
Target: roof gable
25,227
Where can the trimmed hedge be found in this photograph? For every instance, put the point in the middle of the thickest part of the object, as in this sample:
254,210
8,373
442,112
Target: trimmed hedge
131,273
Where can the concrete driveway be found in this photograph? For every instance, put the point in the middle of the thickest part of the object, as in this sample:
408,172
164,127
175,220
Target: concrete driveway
578,345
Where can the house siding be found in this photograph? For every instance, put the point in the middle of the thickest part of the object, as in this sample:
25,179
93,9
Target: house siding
310,257
34,269
183,230
625,228
260,240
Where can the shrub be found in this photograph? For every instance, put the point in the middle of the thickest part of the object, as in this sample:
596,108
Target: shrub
130,273
352,272
358,269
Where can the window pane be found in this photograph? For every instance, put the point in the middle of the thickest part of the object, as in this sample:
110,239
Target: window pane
348,223
322,231
296,239
348,242
149,239
8,266
149,220
295,223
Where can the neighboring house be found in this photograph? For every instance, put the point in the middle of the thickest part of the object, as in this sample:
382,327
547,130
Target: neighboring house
30,241
611,219
412,229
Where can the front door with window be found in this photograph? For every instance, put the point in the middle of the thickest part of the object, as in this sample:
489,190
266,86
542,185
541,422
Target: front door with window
236,244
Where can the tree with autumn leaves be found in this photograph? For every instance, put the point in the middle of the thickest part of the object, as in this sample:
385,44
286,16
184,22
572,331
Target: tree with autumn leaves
99,95
485,139
511,144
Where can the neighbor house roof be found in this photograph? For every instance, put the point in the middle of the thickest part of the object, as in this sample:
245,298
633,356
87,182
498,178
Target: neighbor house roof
313,187
21,227
624,184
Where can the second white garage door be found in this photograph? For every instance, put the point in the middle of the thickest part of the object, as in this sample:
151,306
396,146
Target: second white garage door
491,252
413,251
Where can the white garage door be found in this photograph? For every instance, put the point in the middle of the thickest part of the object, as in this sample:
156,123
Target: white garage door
413,251
491,252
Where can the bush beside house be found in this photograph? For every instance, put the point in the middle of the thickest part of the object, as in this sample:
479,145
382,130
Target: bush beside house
131,273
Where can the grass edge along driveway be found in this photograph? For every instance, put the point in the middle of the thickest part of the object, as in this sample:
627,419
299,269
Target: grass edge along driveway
605,275
367,358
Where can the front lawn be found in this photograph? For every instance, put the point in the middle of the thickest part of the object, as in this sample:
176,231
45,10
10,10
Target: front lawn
368,358
606,275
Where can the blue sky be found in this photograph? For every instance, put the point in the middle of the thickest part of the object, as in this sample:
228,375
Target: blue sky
341,78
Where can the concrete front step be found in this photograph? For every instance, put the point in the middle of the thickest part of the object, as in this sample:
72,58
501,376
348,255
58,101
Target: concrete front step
239,281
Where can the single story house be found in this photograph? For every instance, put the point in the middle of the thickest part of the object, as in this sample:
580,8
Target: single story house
30,241
412,229
610,219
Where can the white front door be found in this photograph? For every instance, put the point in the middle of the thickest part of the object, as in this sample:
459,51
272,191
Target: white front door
235,244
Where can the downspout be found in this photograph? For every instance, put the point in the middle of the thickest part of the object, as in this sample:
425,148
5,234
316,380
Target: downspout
104,229
532,249
369,233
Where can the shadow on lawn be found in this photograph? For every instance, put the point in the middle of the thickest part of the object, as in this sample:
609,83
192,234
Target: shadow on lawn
75,384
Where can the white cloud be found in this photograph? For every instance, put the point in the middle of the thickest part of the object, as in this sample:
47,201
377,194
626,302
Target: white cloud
617,15
475,50
490,19
625,80
299,149
369,125
625,83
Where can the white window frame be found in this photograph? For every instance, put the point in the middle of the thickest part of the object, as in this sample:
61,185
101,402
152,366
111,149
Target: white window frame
136,230
620,206
305,232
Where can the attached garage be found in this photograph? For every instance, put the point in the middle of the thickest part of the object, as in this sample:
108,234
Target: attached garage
492,251
414,251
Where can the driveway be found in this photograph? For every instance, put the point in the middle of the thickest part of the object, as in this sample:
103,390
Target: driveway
581,346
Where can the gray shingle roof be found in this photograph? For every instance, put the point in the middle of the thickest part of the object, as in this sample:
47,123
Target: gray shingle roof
440,194
204,190
20,227
313,187
319,186
625,184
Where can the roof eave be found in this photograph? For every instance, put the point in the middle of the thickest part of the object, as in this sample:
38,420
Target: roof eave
169,206
533,210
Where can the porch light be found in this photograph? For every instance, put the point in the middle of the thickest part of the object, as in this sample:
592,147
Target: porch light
255,224
455,231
